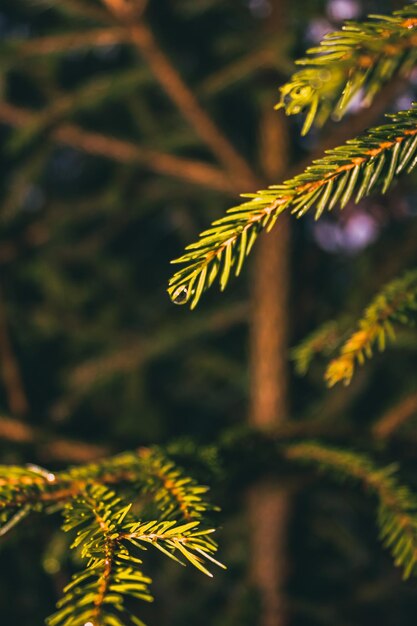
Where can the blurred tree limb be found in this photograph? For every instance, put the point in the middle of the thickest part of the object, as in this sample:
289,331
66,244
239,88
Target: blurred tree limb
124,151
166,74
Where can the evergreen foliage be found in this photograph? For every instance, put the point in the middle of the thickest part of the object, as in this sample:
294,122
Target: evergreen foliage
362,56
353,171
355,61
396,303
109,534
397,505
119,507
322,341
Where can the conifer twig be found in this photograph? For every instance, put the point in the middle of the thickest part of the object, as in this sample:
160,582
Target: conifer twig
111,538
349,172
356,60
395,303
397,505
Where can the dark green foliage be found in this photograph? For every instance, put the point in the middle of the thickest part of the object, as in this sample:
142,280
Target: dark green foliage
321,341
87,232
397,505
96,595
349,172
111,540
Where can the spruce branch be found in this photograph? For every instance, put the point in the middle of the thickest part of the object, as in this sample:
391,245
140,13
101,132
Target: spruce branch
111,539
175,495
152,474
359,59
397,505
174,540
396,303
20,493
351,171
108,535
96,595
148,473
321,341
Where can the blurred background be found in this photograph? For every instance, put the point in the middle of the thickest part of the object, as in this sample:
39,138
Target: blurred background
126,128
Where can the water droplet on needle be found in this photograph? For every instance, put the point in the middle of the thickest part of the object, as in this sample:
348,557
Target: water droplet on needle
180,295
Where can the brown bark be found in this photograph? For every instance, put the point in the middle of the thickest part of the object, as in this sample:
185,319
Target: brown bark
10,371
268,504
269,319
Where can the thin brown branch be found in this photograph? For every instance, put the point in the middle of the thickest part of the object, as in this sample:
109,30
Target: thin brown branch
126,10
60,449
49,447
241,69
124,151
66,42
396,417
16,431
12,380
138,351
180,94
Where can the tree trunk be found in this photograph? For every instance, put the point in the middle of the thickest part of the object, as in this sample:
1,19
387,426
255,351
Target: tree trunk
268,504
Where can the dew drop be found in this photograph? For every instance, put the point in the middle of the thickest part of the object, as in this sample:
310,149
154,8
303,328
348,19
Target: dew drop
36,469
180,295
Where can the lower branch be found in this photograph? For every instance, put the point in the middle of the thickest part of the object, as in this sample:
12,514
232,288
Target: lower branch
124,151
